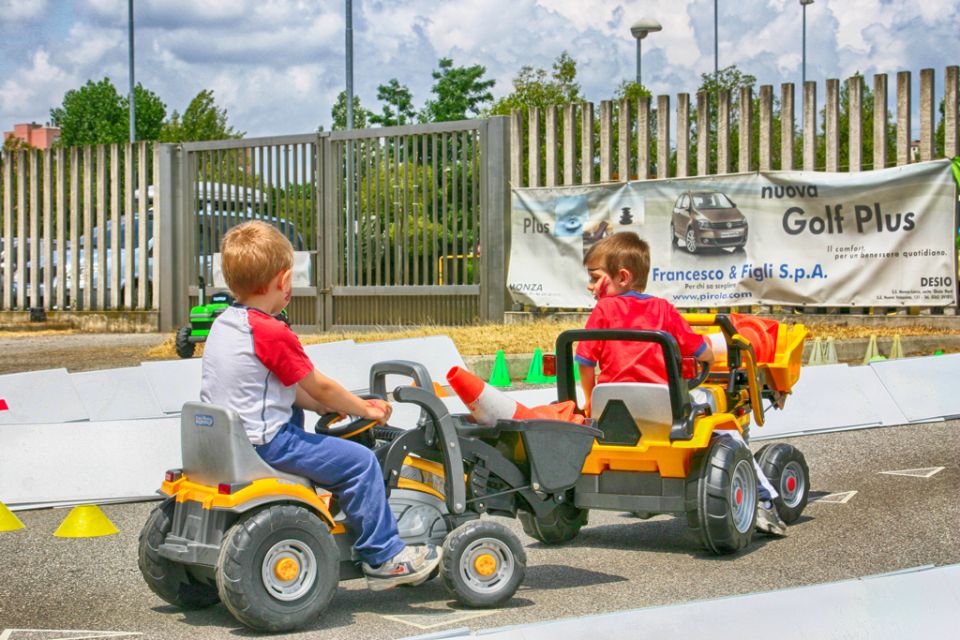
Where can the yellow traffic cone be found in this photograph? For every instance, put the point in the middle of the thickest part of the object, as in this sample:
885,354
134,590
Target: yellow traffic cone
830,351
896,350
873,352
8,521
816,353
86,521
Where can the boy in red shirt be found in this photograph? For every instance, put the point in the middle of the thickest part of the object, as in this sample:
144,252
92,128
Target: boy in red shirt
254,364
618,267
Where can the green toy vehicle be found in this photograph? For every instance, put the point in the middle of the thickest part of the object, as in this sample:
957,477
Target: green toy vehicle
201,319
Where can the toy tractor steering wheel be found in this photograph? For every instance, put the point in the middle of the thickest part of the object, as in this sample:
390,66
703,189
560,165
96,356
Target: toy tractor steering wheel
341,426
703,370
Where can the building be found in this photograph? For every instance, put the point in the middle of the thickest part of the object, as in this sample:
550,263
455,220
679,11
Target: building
38,137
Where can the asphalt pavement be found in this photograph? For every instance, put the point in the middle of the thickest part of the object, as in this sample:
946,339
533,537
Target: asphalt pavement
618,562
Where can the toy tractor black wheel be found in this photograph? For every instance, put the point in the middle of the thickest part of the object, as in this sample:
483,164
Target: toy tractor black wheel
166,578
483,563
278,569
185,348
786,469
560,525
723,486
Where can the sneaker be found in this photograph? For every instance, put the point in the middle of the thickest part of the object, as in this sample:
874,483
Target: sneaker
411,566
769,521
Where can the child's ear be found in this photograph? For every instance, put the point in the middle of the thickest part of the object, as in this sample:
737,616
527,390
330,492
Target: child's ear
286,276
624,278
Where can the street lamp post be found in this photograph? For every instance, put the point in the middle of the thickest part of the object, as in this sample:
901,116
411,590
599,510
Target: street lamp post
804,4
133,97
640,29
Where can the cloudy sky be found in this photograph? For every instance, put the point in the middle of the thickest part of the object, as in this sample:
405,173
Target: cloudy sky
277,65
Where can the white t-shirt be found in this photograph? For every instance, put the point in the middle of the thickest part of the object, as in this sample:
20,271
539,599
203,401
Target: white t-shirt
252,363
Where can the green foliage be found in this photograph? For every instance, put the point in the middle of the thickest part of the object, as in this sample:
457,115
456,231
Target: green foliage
460,92
202,120
97,114
397,105
844,130
540,88
630,90
339,113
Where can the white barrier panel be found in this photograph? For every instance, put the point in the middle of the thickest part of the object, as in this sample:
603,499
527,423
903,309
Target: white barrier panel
826,398
336,360
923,388
878,397
116,394
918,603
174,382
36,397
437,353
86,461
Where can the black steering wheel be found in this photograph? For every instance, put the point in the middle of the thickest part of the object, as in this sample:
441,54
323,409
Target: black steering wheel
703,370
341,426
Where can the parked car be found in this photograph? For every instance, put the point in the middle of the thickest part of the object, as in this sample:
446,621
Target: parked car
704,219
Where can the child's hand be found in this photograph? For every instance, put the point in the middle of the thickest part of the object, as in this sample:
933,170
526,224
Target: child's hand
378,410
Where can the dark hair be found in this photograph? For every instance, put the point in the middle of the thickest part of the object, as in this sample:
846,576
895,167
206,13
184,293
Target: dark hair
623,250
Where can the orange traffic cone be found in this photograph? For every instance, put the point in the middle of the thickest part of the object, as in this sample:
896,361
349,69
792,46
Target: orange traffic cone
487,404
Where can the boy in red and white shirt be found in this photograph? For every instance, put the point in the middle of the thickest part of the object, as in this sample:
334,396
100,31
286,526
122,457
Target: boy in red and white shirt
618,267
255,365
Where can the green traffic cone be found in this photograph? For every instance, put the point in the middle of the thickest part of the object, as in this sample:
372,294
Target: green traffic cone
500,376
535,372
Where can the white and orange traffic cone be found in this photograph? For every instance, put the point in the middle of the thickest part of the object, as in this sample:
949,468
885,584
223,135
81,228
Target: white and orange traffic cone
487,404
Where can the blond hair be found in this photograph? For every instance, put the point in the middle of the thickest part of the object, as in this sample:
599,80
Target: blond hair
623,250
253,254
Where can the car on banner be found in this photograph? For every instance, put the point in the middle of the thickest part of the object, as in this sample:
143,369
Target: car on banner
707,219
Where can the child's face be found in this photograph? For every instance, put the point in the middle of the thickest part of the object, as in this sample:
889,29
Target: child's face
603,284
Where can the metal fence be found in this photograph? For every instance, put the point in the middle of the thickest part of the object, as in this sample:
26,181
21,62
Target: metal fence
76,233
392,220
404,225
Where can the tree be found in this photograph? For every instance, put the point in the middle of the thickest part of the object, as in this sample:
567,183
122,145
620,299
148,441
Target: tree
867,110
97,114
535,88
630,90
202,120
731,80
339,113
397,104
460,92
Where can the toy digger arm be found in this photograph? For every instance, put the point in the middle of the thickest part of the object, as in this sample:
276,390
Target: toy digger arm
447,442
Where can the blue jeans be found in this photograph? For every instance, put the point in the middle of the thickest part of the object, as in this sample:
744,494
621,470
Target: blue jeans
351,472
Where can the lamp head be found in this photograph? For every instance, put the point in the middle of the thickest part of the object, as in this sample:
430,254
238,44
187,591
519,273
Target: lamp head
642,27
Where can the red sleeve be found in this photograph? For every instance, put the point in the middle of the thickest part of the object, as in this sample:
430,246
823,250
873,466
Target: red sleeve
588,352
278,348
690,342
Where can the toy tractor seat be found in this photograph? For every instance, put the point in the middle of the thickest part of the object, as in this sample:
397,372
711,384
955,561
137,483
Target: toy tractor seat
629,411
216,450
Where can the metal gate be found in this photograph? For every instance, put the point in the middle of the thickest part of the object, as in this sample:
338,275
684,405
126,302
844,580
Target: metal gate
392,226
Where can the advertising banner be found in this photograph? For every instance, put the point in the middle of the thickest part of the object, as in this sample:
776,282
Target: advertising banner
878,238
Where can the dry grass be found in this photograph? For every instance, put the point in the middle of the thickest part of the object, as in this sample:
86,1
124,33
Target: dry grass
524,338
37,332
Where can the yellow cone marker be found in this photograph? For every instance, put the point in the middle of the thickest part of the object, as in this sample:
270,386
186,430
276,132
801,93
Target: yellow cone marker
86,521
8,521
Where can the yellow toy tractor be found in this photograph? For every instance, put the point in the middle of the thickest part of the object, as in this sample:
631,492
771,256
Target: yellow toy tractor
681,447
272,546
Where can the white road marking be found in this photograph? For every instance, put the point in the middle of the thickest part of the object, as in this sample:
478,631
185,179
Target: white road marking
429,618
62,634
837,498
927,472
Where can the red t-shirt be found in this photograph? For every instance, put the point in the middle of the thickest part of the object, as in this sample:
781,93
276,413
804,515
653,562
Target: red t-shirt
628,361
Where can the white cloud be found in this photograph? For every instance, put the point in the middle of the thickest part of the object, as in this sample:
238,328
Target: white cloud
22,10
277,65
